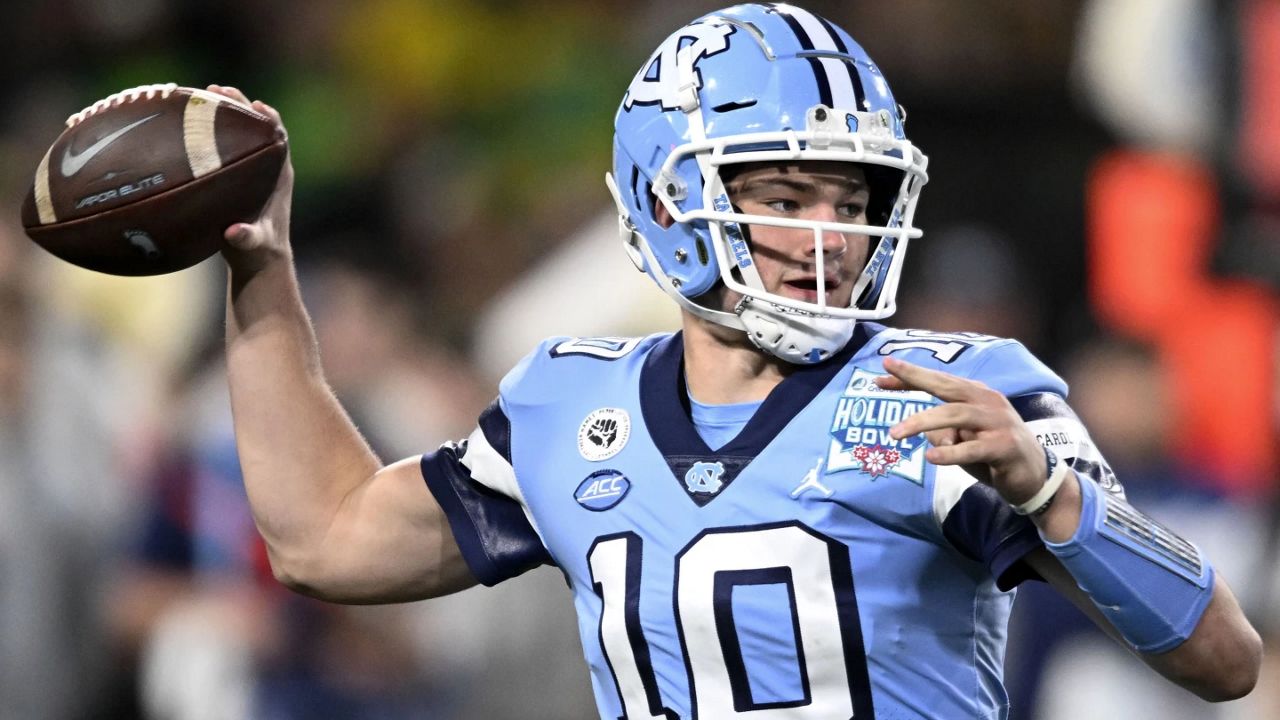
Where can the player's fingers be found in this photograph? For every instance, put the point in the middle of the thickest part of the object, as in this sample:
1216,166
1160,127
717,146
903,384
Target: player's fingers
939,384
943,437
235,94
963,453
267,110
889,382
955,416
224,91
230,93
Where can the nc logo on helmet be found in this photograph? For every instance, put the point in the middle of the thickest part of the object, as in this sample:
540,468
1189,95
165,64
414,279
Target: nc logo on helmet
659,82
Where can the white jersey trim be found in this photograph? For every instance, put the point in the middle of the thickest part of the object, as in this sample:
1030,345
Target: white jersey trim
949,484
490,469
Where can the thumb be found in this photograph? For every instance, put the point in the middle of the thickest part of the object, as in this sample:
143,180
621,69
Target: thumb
241,236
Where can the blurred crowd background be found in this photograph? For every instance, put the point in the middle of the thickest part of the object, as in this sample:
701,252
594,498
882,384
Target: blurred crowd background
1105,186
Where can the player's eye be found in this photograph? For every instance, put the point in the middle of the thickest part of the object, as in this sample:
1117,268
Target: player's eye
782,205
853,210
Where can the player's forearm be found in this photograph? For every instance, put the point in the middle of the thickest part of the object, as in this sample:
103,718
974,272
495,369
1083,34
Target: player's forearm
299,451
1220,661
1059,522
1198,638
1222,658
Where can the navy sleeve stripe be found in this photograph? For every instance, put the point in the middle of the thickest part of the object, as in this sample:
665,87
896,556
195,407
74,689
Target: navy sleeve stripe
983,528
1040,406
497,429
492,531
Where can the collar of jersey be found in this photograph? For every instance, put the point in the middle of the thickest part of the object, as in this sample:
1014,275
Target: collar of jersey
665,403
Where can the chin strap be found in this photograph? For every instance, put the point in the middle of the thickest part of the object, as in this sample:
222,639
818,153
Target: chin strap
792,336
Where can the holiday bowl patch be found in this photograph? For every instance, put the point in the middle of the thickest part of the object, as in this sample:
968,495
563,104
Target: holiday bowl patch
860,430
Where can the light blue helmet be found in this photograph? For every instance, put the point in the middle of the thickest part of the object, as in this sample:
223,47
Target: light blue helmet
760,83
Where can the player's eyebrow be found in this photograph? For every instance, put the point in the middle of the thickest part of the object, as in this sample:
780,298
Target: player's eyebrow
797,184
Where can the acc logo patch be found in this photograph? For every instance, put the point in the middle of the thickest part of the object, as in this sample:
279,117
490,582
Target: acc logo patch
860,430
602,490
604,433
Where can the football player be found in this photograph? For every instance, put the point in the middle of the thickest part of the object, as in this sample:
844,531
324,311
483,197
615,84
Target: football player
785,510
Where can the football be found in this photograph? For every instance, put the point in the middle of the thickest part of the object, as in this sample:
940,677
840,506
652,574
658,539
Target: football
145,181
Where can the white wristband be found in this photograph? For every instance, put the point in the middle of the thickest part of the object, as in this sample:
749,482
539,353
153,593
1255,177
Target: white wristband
1040,501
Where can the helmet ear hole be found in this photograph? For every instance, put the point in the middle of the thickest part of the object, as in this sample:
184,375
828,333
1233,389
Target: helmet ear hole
653,205
701,247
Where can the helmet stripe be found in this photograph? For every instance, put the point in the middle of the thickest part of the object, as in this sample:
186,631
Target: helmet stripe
819,36
819,69
855,79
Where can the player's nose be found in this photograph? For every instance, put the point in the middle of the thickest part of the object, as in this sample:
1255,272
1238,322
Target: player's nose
833,243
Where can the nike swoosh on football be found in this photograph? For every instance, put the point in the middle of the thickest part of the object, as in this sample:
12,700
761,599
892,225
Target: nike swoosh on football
72,163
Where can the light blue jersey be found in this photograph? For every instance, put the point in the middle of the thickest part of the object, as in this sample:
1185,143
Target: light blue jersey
811,568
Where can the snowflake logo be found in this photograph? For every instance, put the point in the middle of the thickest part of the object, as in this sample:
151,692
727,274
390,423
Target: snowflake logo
876,460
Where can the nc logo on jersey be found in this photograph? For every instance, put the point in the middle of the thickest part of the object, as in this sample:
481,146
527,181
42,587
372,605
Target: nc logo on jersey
604,433
602,490
860,430
704,477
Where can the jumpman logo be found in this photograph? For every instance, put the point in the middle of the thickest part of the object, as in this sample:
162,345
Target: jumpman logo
811,481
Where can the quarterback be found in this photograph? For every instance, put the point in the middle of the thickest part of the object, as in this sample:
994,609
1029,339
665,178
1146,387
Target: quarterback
784,510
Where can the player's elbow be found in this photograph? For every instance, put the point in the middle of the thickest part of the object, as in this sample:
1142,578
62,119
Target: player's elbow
1241,670
1233,672
297,571
1230,686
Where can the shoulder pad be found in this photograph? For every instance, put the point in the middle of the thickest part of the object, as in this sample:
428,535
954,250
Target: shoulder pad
557,365
1000,363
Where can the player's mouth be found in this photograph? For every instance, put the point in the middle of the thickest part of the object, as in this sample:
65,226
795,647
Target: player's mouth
806,289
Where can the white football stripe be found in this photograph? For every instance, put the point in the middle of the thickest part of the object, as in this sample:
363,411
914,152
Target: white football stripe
44,203
842,94
198,133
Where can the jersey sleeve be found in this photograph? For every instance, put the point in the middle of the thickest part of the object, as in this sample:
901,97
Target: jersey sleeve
983,527
475,483
974,518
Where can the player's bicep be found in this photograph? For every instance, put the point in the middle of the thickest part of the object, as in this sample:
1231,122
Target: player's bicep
390,542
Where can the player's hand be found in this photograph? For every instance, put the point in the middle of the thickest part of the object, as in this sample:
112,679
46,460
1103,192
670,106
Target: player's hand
250,246
975,428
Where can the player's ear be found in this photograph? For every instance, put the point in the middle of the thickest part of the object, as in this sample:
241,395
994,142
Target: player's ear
662,216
